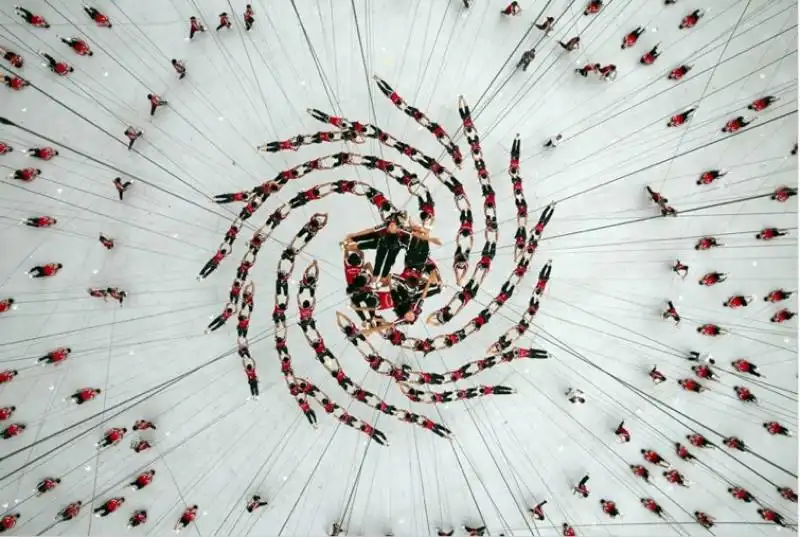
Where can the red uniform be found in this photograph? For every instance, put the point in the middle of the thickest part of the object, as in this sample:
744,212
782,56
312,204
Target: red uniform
690,385
678,73
27,174
112,505
706,243
674,476
80,47
5,305
114,435
781,195
58,355
782,316
86,394
777,296
45,153
703,371
736,302
652,457
7,376
16,83
6,412
760,104
101,20
50,269
45,221
71,511
651,505
593,7
8,522
5,148
640,471
773,428
61,68
144,479
630,39
14,429
709,329
698,440
38,21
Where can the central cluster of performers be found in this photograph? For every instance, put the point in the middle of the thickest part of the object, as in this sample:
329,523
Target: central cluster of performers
374,289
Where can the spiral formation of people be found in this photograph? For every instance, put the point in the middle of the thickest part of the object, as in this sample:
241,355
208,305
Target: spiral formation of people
521,269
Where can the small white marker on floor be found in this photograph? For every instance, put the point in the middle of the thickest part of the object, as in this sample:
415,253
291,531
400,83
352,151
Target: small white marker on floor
168,433
221,118
105,74
786,340
560,449
285,478
755,263
680,297
654,30
762,76
131,353
303,83
51,388
95,271
16,500
175,236
59,190
87,468
24,109
205,513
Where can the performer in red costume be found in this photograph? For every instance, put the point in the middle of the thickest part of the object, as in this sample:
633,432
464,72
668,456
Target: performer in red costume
769,233
691,20
26,174
775,428
138,518
710,329
78,45
761,103
34,20
676,478
194,27
679,119
654,458
110,506
112,437
59,68
42,153
649,57
651,505
8,522
46,485
45,271
84,395
640,471
69,512
99,18
630,39
622,433
188,516
41,221
143,479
